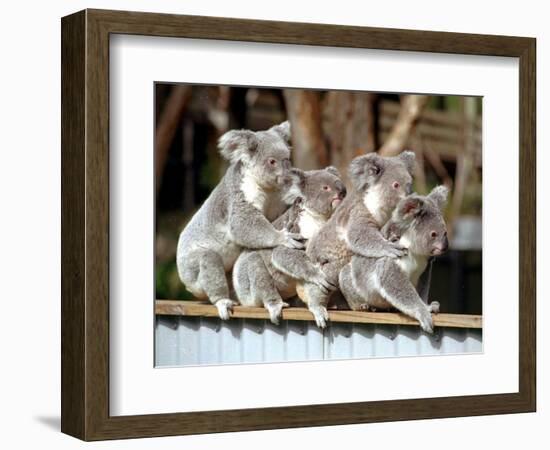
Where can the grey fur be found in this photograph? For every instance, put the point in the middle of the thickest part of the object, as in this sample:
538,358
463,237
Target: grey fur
379,183
386,283
255,189
268,277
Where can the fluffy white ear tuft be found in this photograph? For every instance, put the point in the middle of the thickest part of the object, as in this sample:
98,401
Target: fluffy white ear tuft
237,145
410,206
364,167
439,196
409,159
283,129
334,171
293,185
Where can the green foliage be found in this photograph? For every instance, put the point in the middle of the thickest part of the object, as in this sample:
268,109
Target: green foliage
167,282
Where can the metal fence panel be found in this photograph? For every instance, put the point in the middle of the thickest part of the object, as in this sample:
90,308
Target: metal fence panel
189,341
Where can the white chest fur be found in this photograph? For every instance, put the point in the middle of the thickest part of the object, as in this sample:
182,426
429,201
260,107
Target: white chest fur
413,265
267,201
310,223
252,192
375,204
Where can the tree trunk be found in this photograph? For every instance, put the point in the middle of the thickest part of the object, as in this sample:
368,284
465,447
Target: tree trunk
411,108
304,112
349,125
167,124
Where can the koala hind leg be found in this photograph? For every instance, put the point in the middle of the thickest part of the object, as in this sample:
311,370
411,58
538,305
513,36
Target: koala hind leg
255,285
263,288
203,274
353,298
316,298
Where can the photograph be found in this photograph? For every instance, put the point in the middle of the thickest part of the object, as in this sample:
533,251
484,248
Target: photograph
298,225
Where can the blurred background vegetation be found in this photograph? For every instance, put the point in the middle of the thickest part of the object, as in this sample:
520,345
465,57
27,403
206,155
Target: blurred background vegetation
328,127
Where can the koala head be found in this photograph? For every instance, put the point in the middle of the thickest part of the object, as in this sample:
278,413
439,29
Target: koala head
263,154
322,190
383,181
419,220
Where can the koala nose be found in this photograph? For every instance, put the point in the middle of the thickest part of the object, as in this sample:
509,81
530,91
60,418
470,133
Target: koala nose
445,244
343,192
341,189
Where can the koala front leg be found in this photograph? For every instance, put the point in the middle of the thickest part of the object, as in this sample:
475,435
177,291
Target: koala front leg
366,240
296,264
212,280
249,228
395,287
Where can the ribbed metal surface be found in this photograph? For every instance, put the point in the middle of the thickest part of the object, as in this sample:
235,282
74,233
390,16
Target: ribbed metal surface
184,341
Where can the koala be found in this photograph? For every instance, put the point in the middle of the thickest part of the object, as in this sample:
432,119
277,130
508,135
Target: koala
384,283
378,184
268,277
238,213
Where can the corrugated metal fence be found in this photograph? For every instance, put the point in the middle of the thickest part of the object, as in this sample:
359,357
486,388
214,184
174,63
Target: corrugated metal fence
185,341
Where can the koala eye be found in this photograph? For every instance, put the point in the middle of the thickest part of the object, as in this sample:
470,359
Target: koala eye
272,161
433,234
326,188
396,185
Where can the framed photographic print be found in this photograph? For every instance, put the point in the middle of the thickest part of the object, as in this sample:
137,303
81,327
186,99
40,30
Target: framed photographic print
267,224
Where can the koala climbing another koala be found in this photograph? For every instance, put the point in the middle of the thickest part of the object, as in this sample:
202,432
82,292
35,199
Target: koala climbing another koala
384,283
378,184
238,212
268,277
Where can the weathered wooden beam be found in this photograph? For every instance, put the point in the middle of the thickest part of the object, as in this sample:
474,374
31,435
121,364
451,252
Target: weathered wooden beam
202,309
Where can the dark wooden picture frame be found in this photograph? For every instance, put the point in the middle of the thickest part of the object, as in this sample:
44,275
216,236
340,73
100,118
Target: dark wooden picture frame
85,224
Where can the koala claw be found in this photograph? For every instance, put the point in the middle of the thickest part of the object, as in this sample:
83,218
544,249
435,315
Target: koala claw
320,314
225,306
434,307
426,323
275,310
294,240
396,250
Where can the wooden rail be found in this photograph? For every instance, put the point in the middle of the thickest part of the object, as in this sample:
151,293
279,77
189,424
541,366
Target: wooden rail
202,309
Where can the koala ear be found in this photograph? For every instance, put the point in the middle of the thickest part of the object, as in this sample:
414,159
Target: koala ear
439,196
334,171
283,129
237,145
408,158
297,176
410,206
362,167
294,183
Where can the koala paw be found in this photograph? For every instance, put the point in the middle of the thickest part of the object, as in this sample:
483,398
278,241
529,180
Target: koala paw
395,250
434,307
366,307
426,322
293,240
320,314
225,306
275,310
323,283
